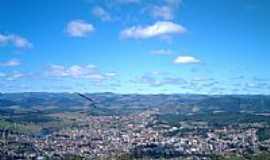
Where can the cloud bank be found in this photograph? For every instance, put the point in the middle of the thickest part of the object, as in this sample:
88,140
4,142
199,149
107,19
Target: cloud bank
89,72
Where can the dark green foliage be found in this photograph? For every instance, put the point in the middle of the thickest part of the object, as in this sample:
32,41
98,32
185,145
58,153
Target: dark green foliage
216,119
34,118
259,156
154,151
263,134
73,157
262,156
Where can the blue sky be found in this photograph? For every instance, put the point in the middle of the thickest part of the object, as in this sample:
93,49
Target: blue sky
135,46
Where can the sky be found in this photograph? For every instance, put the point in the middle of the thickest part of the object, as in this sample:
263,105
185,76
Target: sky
135,46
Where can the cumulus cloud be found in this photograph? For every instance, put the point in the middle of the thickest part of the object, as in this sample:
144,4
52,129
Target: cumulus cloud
164,12
158,79
12,76
15,76
16,40
101,13
20,42
165,80
150,80
186,60
79,28
127,1
4,39
89,72
10,63
161,52
160,28
174,3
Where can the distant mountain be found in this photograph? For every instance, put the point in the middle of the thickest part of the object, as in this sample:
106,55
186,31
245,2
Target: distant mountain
37,99
5,102
174,102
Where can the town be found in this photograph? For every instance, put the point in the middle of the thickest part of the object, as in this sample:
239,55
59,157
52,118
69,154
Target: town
141,135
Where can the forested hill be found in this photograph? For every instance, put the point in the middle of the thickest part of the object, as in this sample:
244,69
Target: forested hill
173,102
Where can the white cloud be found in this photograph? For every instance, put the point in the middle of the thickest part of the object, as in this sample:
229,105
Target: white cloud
11,76
173,3
150,80
10,63
89,72
127,1
57,70
79,28
161,52
110,74
74,71
20,42
164,12
17,41
157,79
101,13
3,39
186,60
160,28
95,77
15,76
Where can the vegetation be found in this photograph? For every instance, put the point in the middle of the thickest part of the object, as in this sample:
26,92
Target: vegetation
259,156
215,119
18,127
263,134
169,103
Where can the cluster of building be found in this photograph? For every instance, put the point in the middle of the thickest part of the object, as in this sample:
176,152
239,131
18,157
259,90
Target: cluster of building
137,135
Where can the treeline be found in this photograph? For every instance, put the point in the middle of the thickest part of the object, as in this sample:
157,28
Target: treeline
215,119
